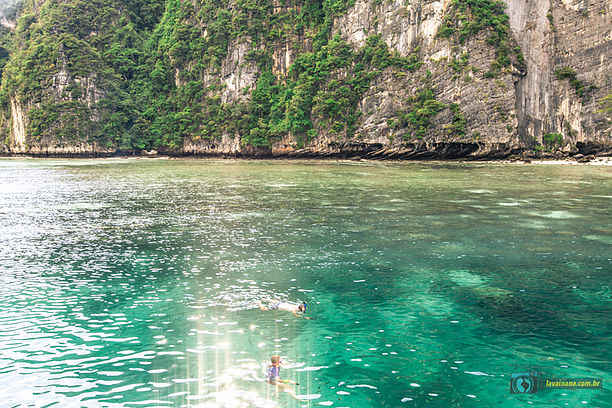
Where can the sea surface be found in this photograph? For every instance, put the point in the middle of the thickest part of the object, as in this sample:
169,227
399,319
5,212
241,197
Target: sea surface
136,283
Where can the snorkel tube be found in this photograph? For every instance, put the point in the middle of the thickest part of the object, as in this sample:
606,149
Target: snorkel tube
305,306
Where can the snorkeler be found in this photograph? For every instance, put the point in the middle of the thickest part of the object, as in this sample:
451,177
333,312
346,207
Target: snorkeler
273,377
273,373
298,309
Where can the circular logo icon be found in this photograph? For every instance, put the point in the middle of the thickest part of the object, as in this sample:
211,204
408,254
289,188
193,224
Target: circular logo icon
523,385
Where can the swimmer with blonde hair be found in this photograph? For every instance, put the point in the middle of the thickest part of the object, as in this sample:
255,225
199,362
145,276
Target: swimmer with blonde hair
273,377
273,373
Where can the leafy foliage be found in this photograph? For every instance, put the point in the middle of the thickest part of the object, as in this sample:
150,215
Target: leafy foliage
552,140
582,90
423,107
457,127
6,38
466,18
606,104
320,92
78,62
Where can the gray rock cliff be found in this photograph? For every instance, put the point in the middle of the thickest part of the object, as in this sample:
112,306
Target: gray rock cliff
545,100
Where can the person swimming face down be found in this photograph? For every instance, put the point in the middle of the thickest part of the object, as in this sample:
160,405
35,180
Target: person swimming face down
296,309
301,309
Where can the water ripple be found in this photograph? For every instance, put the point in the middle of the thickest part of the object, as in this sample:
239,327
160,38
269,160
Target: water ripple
138,283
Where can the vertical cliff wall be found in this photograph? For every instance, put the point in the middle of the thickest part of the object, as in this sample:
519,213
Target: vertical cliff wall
380,79
557,35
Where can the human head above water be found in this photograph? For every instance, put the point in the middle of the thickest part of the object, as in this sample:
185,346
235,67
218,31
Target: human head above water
275,359
302,307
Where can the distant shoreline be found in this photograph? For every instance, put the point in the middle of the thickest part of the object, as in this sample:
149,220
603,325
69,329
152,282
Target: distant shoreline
568,161
598,161
582,152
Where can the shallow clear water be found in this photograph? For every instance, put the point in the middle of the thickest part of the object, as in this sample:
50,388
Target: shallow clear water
136,282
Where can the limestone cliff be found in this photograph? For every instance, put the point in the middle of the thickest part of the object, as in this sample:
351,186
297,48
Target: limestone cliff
299,78
555,35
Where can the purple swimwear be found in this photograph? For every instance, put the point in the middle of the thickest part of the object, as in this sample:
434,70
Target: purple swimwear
273,372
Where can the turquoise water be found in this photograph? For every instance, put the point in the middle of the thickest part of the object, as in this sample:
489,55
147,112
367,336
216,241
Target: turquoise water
133,283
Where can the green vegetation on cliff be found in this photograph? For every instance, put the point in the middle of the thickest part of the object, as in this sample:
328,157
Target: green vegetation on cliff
319,92
606,104
582,90
153,74
6,39
74,63
467,18
422,109
552,140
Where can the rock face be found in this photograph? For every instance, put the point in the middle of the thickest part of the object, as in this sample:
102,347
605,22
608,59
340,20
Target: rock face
18,135
553,35
473,111
488,105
